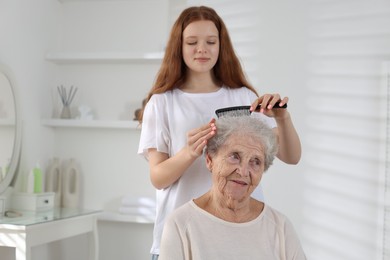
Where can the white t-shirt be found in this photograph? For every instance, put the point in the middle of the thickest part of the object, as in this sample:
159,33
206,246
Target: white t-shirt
191,233
167,119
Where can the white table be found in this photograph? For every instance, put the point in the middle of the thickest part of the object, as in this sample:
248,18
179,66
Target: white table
32,229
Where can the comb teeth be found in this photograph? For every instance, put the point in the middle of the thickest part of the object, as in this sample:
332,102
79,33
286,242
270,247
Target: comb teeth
233,111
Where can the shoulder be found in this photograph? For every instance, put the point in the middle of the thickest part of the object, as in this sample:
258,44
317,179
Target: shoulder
274,216
181,216
160,96
165,96
160,100
184,210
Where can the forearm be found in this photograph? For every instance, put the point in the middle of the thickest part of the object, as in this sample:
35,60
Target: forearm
165,171
289,143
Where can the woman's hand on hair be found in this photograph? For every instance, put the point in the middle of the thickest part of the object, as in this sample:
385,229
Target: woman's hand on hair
197,138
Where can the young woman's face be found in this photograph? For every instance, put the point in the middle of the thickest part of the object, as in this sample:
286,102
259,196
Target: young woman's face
200,46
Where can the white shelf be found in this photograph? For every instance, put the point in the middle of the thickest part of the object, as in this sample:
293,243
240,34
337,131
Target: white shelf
103,57
75,123
117,217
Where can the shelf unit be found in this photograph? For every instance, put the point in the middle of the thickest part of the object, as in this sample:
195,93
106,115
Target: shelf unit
62,58
75,123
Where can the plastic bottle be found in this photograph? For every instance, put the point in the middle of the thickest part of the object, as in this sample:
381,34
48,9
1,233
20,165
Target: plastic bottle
37,179
30,183
6,168
53,180
71,185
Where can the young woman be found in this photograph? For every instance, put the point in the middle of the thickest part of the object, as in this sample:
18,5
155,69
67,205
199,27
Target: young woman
200,73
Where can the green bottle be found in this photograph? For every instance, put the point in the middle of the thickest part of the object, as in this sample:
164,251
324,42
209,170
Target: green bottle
37,179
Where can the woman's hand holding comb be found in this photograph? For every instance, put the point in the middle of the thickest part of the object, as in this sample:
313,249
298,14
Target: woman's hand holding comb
270,104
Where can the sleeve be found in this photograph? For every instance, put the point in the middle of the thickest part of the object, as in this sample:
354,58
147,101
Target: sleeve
154,129
172,247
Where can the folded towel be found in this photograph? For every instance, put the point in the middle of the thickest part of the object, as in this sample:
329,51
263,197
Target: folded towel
132,201
138,211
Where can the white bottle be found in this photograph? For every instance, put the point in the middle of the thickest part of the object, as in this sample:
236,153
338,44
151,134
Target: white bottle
53,180
30,183
71,185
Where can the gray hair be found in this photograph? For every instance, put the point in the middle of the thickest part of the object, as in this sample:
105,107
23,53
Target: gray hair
248,126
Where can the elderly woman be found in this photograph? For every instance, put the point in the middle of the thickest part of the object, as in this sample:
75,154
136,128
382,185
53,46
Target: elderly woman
226,222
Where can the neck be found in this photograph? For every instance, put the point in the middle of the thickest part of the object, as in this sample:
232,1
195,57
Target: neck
200,83
229,209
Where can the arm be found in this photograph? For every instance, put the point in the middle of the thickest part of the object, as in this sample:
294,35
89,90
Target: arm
289,143
165,170
288,139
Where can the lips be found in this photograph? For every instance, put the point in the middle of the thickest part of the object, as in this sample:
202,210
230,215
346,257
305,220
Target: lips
239,182
202,59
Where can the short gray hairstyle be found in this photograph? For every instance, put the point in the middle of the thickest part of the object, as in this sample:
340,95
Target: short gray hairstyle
244,125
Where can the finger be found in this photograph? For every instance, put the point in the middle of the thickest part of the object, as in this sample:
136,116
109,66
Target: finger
200,134
265,102
198,147
254,105
275,98
283,101
198,144
205,127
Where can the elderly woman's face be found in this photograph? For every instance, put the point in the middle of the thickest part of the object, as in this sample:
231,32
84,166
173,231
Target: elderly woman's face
237,167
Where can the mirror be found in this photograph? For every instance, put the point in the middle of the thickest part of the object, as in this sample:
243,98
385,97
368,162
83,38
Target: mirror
10,134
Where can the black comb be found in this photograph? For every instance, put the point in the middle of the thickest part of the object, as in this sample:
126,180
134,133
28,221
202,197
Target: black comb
241,110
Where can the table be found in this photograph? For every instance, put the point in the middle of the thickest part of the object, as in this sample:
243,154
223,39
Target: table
32,229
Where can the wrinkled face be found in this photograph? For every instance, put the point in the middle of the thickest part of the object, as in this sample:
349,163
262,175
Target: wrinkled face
238,166
200,46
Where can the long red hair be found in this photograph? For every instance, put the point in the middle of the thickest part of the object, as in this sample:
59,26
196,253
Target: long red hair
227,70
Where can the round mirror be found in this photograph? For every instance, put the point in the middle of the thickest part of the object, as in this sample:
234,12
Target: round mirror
10,134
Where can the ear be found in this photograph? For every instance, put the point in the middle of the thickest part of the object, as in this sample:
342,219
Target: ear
209,162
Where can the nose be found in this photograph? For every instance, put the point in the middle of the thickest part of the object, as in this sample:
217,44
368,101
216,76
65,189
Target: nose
201,48
243,170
